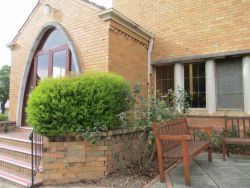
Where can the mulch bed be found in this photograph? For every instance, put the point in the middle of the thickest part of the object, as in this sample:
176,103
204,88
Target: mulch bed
132,179
117,180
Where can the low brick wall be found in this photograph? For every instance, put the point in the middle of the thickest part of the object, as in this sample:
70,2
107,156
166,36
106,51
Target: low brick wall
217,123
71,161
6,126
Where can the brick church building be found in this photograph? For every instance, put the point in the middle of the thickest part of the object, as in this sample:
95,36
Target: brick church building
200,46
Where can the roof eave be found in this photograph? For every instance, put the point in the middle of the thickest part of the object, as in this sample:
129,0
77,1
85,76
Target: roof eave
113,14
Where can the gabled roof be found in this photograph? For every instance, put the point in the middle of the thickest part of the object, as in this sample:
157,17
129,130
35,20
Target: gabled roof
94,4
86,2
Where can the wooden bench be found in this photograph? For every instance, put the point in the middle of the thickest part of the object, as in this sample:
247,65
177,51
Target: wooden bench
173,142
242,127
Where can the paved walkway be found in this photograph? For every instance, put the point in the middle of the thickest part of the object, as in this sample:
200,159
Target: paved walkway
233,173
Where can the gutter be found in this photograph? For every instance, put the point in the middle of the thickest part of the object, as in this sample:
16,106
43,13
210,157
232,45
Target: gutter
150,68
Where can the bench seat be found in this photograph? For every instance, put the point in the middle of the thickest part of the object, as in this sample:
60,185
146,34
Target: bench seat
194,149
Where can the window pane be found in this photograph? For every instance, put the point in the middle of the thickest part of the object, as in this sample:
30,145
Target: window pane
202,85
54,39
195,69
72,68
201,70
59,63
186,71
229,84
195,84
164,79
42,67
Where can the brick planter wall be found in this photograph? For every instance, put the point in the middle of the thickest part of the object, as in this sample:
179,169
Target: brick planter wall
71,161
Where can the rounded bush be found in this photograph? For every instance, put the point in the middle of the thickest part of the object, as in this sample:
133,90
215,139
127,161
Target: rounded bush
91,102
3,117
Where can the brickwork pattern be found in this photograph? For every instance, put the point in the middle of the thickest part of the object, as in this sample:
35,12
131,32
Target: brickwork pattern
217,123
184,28
128,55
66,162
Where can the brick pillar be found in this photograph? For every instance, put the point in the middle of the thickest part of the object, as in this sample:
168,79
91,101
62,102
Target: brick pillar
210,86
246,85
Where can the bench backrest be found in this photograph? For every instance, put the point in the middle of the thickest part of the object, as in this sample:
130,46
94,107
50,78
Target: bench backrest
241,126
174,127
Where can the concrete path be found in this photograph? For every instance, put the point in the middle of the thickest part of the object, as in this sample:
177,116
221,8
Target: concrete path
233,173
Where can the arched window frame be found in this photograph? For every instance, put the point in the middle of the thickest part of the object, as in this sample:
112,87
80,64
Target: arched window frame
50,52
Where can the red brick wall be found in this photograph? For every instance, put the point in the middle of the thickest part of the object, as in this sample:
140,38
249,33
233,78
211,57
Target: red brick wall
216,123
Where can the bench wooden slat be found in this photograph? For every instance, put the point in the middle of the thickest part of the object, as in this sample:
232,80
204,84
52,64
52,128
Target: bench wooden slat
240,141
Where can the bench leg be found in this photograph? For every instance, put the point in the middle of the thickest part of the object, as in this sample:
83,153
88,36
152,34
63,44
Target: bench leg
210,153
187,172
186,163
224,150
162,177
227,150
160,160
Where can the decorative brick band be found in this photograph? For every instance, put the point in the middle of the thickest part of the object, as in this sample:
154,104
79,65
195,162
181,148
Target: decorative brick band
128,36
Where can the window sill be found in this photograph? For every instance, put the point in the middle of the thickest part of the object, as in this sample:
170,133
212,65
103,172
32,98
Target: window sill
218,113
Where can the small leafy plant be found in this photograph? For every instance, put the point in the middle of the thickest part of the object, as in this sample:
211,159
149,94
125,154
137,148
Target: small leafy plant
144,112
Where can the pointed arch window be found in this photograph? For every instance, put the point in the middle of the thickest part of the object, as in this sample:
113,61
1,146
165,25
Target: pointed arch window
53,57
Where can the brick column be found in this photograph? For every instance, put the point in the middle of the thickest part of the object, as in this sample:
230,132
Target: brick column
246,85
210,86
179,76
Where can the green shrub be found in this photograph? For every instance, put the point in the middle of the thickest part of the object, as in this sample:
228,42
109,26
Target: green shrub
87,103
3,117
172,105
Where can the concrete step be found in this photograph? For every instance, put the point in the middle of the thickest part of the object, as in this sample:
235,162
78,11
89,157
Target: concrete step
16,163
27,130
15,157
14,151
16,178
17,139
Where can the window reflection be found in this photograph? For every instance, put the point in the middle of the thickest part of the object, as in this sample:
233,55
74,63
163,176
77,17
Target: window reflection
59,63
54,39
42,67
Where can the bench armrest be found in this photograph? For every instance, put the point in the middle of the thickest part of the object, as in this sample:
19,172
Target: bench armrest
174,137
208,130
